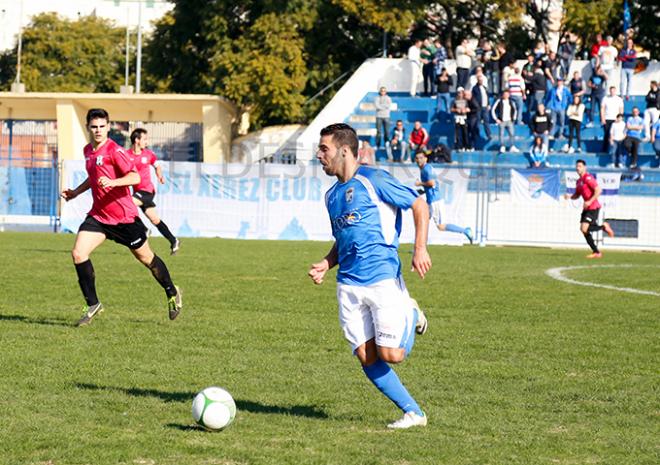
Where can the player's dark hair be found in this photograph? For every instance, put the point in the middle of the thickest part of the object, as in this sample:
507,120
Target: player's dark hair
342,134
137,134
97,113
580,160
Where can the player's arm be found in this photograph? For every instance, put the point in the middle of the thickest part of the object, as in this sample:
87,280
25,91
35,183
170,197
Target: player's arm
159,173
421,261
129,179
69,194
429,183
318,270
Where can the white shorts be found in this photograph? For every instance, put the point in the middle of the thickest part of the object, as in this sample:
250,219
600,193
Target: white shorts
435,209
383,311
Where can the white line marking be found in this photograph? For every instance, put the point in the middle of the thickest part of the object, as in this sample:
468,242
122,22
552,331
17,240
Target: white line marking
557,273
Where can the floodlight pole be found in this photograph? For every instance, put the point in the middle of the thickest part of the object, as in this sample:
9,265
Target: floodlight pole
138,71
128,44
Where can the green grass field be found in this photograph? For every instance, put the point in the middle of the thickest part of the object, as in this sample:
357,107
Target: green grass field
517,368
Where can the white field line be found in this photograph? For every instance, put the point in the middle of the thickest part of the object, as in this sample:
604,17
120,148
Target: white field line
557,273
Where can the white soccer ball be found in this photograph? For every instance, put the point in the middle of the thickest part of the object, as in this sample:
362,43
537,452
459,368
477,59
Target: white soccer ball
214,408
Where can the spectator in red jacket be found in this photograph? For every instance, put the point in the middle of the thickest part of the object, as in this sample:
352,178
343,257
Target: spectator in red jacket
419,138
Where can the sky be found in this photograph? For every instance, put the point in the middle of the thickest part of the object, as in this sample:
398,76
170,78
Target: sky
121,11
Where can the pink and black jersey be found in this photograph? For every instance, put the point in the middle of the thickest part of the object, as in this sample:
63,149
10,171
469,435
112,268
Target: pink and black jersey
586,187
114,205
143,161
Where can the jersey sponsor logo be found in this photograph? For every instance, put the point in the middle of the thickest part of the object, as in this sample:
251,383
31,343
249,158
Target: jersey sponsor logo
347,219
136,241
99,160
382,335
349,194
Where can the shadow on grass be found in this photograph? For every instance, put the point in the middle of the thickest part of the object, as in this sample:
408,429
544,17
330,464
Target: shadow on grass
37,321
246,405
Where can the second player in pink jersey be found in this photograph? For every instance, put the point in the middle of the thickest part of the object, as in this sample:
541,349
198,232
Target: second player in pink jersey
144,192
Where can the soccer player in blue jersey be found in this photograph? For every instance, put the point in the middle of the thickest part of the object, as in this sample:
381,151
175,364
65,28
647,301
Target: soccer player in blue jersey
430,184
377,316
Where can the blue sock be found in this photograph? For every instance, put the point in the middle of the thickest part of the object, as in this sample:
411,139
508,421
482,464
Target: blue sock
387,382
454,228
409,334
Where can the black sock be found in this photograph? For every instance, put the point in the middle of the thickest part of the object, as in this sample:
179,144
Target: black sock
165,231
590,241
159,270
86,277
595,227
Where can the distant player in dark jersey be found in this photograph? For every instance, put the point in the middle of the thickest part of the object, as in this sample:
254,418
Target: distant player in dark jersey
587,188
144,192
113,216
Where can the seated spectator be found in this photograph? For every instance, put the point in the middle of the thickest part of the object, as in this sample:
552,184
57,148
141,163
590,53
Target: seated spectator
577,85
575,112
504,113
538,153
444,83
617,136
655,138
557,102
652,112
634,128
541,124
597,84
516,87
460,110
440,154
418,139
397,148
366,154
383,104
628,59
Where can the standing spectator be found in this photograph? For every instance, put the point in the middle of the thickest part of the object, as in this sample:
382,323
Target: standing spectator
516,87
628,59
607,55
480,97
566,52
577,85
617,136
634,127
541,124
655,138
439,58
595,50
463,56
652,112
419,138
478,74
538,153
397,149
612,105
428,67
527,74
538,85
504,114
415,65
444,84
383,106
575,113
472,120
460,110
557,102
551,71
491,60
597,83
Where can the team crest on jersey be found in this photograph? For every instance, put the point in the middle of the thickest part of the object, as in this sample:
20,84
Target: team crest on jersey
144,160
349,194
99,160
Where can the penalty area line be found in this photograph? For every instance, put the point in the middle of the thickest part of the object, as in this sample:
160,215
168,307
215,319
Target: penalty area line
558,274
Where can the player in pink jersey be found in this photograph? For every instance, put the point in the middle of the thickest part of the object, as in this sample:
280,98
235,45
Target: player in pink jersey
587,188
144,192
113,216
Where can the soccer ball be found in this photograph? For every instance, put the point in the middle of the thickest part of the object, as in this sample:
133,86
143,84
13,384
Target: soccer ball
214,408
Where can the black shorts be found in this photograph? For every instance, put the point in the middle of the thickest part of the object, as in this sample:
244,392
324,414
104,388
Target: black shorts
132,235
147,199
590,216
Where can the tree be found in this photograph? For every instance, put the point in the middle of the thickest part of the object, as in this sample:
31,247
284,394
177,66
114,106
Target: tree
86,55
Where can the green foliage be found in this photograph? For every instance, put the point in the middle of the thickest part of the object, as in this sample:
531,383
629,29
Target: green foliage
59,55
588,18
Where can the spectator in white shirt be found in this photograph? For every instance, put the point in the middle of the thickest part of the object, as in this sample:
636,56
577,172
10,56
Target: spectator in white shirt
607,54
617,136
516,87
415,65
575,112
612,105
463,56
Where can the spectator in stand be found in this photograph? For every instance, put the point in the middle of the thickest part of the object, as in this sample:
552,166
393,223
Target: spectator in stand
444,84
634,128
397,148
460,110
557,102
415,65
595,50
440,58
478,73
472,121
463,56
516,87
575,113
607,58
527,74
383,104
539,51
506,59
538,153
652,112
480,97
491,59
577,86
419,138
628,59
655,138
541,124
566,52
597,83
552,71
428,67
504,113
617,136
612,105
366,154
